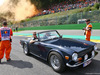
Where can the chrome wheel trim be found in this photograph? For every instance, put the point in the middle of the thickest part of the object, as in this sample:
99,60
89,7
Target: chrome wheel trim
25,49
55,62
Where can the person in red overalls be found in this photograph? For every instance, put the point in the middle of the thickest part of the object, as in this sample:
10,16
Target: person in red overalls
88,30
5,44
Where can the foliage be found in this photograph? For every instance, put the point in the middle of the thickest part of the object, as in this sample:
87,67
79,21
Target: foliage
97,5
73,19
87,9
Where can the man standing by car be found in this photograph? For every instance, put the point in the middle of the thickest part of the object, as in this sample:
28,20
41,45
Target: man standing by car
88,30
5,44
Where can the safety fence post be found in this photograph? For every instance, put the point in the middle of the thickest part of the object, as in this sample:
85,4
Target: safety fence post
56,20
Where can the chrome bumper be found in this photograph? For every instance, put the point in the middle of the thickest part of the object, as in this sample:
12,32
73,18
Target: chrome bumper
78,64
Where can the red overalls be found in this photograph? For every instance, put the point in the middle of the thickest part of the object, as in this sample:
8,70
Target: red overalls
88,32
5,44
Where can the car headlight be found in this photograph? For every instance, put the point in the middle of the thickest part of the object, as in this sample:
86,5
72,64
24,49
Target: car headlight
93,53
75,57
95,47
86,57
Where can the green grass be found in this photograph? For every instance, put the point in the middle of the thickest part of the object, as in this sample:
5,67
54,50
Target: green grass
62,27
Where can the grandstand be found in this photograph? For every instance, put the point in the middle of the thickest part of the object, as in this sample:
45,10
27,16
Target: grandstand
67,5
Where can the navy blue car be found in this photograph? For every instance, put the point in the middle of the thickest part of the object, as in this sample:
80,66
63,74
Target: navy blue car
60,52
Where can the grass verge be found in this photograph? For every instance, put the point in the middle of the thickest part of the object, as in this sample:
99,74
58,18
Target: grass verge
62,27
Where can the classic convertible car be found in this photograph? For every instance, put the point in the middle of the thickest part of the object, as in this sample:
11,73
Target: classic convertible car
60,52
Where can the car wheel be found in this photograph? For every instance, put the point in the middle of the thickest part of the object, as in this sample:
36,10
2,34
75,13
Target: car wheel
25,49
56,62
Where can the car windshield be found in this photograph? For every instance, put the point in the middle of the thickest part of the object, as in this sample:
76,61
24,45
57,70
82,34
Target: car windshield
48,35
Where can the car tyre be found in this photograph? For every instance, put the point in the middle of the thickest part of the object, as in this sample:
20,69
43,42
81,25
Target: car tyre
25,49
56,62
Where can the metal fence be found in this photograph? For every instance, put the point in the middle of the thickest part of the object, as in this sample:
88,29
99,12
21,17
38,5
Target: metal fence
94,16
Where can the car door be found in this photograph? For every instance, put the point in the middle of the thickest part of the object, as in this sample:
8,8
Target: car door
34,48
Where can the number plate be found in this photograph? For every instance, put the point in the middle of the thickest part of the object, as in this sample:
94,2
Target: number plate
86,63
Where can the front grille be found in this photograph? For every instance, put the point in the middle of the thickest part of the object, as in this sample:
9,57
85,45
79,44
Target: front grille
86,51
82,54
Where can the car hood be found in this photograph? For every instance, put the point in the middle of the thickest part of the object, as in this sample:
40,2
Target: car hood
67,43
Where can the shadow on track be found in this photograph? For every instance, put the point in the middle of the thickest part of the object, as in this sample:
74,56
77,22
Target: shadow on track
98,49
39,59
19,64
